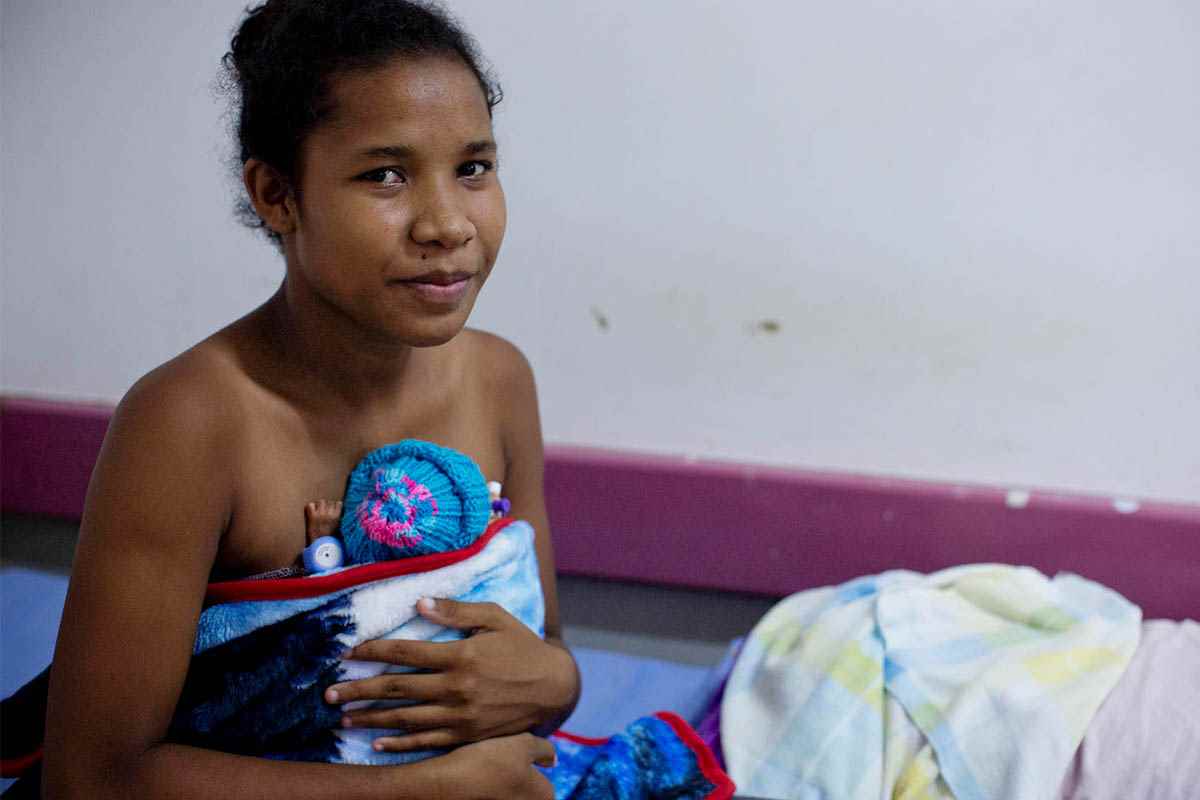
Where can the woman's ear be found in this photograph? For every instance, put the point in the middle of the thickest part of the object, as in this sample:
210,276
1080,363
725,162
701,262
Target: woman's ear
271,195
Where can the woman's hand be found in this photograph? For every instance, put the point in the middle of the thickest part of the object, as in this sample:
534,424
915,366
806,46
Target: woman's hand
501,679
501,769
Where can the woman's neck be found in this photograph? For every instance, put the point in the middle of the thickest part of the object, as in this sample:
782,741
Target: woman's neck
332,353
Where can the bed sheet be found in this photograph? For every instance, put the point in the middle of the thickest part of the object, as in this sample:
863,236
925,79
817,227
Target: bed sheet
1145,739
31,603
619,687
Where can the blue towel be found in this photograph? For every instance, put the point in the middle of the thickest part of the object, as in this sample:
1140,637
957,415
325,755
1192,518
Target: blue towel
265,654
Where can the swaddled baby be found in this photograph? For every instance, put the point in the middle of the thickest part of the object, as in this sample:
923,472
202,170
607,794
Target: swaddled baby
417,521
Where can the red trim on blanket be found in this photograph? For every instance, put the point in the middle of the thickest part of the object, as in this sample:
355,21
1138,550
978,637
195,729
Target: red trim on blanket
316,585
586,741
723,786
15,767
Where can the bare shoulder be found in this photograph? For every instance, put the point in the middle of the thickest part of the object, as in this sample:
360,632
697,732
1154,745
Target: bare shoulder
177,425
507,379
191,394
498,361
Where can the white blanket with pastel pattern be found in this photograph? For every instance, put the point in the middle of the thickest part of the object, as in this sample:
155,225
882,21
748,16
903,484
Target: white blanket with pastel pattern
973,682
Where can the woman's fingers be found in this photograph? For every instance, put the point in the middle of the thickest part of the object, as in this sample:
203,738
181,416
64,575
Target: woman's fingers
407,718
504,767
418,687
422,740
405,652
464,616
542,752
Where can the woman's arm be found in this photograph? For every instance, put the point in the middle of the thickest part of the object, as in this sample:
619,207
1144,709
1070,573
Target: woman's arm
157,504
524,487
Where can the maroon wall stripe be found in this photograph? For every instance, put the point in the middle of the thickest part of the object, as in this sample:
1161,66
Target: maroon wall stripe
47,451
775,531
739,527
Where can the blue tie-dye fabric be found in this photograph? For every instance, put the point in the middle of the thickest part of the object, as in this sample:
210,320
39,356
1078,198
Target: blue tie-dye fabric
260,668
618,768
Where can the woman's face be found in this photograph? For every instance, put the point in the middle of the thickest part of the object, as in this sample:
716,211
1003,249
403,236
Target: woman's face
400,211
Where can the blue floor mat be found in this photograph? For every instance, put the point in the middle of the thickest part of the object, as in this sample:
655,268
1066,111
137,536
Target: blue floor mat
31,604
619,688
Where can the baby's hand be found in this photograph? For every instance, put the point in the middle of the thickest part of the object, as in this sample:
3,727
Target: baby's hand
321,518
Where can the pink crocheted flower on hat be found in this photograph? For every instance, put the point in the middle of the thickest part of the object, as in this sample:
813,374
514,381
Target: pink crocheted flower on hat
390,513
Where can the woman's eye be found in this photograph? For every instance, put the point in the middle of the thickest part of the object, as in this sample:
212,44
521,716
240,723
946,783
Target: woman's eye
475,169
388,176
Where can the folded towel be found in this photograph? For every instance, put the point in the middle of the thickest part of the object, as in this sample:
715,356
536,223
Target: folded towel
973,682
264,656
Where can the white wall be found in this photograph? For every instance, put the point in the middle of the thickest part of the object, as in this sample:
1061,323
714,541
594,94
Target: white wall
975,225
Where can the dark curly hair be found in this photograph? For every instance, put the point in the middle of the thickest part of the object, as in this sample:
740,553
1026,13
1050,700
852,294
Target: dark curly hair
279,65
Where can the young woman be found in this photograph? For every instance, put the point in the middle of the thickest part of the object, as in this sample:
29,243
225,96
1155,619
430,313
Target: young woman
368,157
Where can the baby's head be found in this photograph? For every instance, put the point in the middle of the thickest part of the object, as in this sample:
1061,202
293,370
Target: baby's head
366,148
412,498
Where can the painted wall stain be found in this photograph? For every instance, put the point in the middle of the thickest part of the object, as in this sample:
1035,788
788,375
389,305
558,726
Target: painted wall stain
600,318
771,326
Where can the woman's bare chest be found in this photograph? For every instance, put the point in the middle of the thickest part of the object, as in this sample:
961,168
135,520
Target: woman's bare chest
281,468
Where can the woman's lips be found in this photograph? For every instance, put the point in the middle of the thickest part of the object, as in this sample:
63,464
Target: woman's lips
439,289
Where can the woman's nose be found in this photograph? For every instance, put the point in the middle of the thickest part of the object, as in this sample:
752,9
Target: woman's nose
442,222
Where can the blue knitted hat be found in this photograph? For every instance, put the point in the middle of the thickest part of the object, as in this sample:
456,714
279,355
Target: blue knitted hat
412,498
